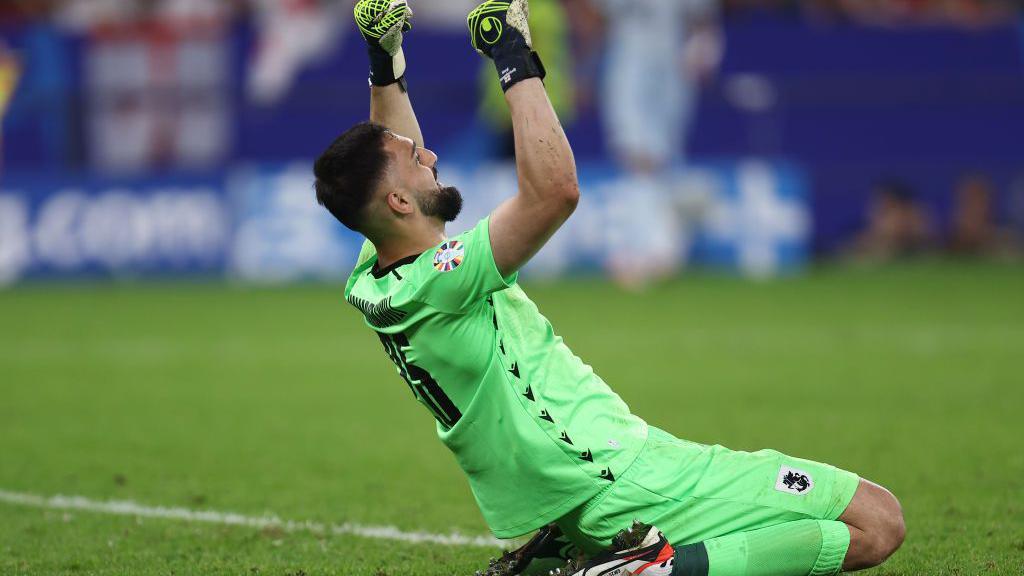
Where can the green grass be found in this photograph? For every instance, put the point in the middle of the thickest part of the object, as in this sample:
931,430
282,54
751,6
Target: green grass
255,400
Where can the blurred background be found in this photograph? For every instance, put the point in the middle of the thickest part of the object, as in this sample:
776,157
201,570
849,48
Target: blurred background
175,137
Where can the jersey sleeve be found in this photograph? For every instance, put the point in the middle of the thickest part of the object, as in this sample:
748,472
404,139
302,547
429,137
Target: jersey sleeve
461,271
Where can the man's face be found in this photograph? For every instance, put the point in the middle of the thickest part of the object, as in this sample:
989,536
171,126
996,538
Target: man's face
416,169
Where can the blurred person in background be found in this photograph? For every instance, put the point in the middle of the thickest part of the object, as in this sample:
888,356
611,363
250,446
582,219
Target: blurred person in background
897,225
974,231
657,52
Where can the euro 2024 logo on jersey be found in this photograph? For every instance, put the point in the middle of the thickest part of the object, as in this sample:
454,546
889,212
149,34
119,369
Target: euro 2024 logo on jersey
449,255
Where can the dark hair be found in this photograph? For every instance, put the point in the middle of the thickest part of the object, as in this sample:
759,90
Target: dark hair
349,171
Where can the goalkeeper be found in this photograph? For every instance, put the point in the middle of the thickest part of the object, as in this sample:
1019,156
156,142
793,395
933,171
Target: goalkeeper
544,442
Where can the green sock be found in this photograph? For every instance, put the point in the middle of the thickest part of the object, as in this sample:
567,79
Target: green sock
798,548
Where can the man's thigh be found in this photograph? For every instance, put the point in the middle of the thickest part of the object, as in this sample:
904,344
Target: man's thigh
693,492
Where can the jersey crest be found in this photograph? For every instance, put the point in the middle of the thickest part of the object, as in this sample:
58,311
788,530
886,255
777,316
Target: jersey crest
449,255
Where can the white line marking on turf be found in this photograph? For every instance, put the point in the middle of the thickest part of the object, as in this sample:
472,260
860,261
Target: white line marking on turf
129,508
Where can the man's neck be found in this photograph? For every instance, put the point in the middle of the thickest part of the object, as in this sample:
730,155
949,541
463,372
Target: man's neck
395,247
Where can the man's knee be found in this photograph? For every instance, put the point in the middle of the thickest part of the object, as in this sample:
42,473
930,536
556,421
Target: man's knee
877,527
893,528
886,532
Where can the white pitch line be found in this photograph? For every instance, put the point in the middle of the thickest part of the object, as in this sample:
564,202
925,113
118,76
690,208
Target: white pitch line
129,508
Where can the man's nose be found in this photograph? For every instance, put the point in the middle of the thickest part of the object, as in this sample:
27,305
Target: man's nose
428,157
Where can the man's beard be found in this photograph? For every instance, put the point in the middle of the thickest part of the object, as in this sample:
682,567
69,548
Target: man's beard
445,204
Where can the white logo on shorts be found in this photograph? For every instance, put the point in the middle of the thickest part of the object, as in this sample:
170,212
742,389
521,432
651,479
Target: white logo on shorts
794,481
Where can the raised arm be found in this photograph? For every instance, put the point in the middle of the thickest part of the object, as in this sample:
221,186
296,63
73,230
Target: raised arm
548,189
382,25
390,107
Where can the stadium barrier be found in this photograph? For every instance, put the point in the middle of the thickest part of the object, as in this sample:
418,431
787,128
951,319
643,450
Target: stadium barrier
261,223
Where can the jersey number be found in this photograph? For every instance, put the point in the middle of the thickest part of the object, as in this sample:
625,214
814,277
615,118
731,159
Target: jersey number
420,381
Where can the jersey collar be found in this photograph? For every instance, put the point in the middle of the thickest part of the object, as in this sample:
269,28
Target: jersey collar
379,273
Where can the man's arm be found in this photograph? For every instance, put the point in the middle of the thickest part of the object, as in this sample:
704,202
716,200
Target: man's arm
382,27
548,190
390,107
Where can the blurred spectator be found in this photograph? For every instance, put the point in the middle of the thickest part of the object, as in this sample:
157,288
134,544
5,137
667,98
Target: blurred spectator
975,232
973,229
658,51
897,225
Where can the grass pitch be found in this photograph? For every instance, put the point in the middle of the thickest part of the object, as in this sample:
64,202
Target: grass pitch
212,397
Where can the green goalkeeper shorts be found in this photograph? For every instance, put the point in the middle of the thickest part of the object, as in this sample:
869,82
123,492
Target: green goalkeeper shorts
693,492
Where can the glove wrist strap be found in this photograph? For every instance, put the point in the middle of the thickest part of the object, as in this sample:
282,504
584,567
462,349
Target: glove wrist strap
386,69
518,66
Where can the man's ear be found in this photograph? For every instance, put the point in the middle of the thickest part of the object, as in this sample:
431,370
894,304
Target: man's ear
399,202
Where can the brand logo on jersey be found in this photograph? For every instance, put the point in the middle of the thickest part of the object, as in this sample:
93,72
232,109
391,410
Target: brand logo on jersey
794,481
449,255
381,314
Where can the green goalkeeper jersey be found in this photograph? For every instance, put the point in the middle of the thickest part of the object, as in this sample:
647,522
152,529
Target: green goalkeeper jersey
534,428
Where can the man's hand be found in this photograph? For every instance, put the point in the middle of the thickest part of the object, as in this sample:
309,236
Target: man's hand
382,22
501,31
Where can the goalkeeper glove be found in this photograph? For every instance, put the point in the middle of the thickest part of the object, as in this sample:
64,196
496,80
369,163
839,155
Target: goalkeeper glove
500,31
382,22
